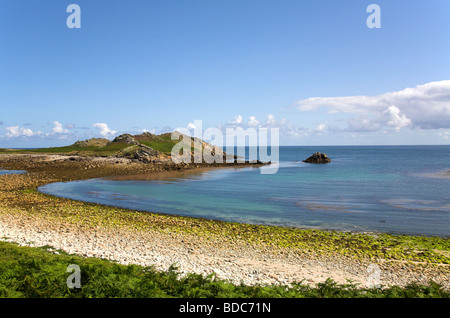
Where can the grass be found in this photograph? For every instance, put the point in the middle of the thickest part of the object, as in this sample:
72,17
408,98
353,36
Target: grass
27,272
72,149
164,146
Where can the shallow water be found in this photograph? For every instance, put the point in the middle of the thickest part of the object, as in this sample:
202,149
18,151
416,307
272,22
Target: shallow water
390,189
3,171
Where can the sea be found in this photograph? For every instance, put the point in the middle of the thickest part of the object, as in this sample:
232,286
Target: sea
387,189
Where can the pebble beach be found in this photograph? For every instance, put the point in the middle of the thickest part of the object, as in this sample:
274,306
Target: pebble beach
30,218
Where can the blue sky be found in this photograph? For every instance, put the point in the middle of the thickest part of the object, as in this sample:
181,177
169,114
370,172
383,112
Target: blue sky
313,69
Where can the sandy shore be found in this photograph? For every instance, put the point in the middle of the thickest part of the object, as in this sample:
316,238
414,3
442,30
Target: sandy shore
133,237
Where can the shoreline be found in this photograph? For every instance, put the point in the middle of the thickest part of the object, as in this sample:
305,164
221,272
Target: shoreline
168,175
233,251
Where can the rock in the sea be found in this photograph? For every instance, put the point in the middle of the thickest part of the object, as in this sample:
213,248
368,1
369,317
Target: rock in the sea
318,157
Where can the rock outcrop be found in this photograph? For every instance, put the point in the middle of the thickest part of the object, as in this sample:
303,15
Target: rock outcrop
146,154
146,136
93,142
126,138
146,147
318,157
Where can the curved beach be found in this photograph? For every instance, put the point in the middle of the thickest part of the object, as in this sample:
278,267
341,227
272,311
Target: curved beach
237,252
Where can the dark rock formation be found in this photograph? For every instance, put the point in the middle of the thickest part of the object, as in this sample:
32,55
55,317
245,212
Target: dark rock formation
146,154
126,138
318,157
96,142
146,136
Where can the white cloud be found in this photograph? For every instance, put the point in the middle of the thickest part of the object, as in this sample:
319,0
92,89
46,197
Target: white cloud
321,127
425,106
152,131
191,126
394,119
361,124
270,120
238,119
16,131
58,128
252,122
285,128
104,129
22,132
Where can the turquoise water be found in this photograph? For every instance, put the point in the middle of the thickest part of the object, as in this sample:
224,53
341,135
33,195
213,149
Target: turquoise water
394,189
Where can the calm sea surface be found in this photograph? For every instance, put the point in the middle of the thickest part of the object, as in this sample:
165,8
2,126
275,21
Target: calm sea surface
394,189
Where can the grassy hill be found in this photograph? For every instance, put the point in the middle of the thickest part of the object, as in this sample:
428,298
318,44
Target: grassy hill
125,145
162,143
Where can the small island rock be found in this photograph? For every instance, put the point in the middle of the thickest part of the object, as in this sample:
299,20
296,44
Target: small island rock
318,157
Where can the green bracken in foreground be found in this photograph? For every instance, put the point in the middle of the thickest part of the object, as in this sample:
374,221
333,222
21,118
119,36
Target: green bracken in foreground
37,273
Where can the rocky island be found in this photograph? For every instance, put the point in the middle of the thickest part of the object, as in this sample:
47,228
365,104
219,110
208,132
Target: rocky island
145,147
318,157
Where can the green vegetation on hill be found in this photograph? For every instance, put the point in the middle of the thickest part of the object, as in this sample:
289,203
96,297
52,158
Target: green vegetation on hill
162,143
107,150
122,145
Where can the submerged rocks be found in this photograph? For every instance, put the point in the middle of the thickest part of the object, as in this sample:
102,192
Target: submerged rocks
318,157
